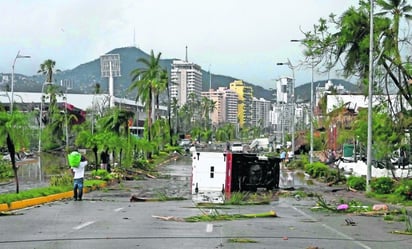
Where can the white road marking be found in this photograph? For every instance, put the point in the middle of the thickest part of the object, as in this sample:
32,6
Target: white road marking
209,228
332,229
118,209
84,225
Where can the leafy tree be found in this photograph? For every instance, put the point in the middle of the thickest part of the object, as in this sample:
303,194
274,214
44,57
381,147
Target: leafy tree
386,136
148,81
344,42
47,68
14,131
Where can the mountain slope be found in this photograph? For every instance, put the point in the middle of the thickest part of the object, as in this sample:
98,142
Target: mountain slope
85,76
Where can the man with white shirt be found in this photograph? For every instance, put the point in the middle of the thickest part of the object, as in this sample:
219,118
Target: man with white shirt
78,176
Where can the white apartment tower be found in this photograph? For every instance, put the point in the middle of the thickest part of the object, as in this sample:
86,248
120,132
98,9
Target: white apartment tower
282,109
186,78
261,112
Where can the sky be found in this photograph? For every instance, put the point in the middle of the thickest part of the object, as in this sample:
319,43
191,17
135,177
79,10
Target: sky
239,38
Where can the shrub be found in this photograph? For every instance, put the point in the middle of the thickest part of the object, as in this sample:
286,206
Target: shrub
6,171
317,169
295,164
141,164
62,180
102,174
404,189
356,182
382,185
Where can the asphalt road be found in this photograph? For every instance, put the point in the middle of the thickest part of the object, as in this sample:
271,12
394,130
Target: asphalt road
107,219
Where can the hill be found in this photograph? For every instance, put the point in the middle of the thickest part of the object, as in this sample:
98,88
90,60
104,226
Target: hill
85,76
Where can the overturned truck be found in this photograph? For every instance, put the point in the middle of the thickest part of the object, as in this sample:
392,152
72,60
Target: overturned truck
215,175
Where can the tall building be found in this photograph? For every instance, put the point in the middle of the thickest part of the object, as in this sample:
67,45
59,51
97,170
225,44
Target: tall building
225,105
244,106
283,109
261,113
186,79
231,100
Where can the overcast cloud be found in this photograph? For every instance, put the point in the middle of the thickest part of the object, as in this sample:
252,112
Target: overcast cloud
240,38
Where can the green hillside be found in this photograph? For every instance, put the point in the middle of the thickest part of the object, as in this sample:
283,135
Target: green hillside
85,76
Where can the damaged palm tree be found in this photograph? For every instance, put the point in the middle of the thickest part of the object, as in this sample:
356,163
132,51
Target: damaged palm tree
214,215
13,130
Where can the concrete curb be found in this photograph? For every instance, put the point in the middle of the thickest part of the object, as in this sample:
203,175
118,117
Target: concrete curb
4,207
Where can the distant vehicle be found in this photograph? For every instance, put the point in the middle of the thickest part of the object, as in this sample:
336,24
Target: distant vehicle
185,143
237,147
259,144
136,131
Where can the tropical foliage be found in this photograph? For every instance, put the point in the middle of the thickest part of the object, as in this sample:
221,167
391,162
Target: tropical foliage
343,43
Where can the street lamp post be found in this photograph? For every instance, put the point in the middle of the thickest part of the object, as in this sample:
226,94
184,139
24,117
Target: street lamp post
68,85
311,106
311,114
370,92
41,113
289,64
18,56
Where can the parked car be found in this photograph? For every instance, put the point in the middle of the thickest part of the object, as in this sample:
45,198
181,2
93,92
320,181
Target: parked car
185,143
237,147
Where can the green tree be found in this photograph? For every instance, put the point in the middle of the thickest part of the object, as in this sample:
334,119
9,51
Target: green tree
146,81
344,40
14,131
386,135
395,9
47,68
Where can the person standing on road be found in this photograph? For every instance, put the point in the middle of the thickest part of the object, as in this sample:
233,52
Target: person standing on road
104,159
78,176
282,158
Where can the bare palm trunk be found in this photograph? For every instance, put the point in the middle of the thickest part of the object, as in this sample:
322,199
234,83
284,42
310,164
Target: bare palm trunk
12,152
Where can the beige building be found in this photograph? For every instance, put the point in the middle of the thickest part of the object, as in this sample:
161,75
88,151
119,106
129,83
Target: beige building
225,105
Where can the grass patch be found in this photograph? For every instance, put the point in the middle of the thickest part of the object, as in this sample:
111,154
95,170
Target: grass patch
248,198
8,198
33,193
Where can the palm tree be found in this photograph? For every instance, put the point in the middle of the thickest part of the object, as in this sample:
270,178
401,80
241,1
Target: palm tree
174,109
397,9
15,132
47,68
117,122
146,81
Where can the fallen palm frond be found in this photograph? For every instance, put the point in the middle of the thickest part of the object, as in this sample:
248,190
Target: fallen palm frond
241,240
321,203
402,232
222,217
375,213
352,206
168,218
205,217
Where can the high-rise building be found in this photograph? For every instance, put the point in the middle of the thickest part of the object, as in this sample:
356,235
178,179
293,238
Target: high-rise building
225,105
261,113
244,106
186,79
283,109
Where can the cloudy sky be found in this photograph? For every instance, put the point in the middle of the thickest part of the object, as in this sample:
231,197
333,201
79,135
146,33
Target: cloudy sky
240,38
